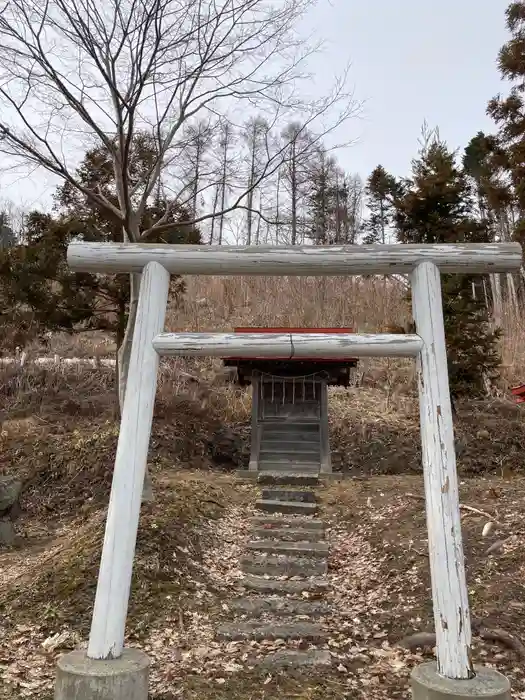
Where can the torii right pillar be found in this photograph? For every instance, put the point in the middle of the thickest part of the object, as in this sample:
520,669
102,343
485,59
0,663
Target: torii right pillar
454,676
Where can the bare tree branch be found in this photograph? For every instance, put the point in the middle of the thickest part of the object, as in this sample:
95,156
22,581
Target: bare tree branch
77,73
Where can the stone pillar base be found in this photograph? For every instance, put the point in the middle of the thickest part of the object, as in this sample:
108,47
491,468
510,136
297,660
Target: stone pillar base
80,678
488,684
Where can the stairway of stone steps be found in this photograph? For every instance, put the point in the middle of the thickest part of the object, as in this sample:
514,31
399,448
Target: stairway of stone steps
290,446
285,575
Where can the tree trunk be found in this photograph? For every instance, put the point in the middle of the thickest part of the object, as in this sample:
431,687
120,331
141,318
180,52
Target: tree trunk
123,358
223,204
293,189
513,295
259,221
226,135
215,201
197,175
277,211
497,302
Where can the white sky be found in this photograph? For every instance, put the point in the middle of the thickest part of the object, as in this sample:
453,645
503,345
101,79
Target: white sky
412,60
415,60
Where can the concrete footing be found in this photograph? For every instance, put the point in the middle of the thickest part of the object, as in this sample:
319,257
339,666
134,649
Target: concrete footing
80,678
487,684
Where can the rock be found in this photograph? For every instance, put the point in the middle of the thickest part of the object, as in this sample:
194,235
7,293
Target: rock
10,490
296,659
227,448
7,533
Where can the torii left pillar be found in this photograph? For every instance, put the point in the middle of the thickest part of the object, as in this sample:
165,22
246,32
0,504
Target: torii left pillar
108,671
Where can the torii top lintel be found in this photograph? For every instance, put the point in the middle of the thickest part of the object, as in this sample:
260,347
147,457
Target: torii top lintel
470,258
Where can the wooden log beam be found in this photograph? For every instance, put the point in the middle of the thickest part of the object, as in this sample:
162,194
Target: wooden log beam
447,567
294,260
114,580
287,345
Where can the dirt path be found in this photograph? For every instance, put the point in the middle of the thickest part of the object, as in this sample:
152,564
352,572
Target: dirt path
187,569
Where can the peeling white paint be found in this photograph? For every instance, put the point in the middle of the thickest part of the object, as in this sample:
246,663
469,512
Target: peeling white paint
294,260
287,345
114,580
449,588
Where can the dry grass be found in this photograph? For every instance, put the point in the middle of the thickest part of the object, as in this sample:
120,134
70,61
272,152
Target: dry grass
374,424
59,431
221,303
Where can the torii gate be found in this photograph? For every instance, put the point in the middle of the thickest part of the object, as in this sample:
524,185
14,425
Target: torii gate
107,670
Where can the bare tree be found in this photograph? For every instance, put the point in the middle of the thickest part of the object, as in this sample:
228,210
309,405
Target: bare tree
198,141
354,191
16,216
77,74
256,137
226,139
301,149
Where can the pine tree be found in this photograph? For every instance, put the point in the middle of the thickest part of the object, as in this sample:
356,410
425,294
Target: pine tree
509,115
438,207
35,276
321,201
7,235
381,189
334,202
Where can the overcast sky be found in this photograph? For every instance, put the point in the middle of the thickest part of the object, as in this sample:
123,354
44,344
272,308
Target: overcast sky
415,60
412,60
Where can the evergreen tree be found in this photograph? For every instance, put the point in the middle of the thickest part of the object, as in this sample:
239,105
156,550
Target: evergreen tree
35,276
509,114
334,202
381,189
7,235
321,201
437,207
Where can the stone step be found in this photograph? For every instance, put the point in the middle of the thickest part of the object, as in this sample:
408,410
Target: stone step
313,586
272,465
261,565
255,606
288,495
294,459
292,454
291,434
292,478
257,631
290,440
317,550
269,522
289,423
286,507
287,534
289,444
288,658
286,426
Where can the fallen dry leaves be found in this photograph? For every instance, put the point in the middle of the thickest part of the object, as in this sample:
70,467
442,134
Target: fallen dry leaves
379,592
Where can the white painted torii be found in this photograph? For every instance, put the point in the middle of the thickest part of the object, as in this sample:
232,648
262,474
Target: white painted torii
424,264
